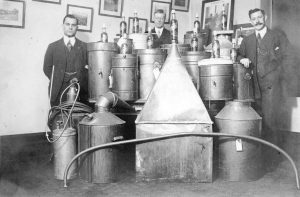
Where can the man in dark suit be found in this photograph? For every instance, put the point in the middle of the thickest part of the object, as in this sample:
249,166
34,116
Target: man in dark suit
268,53
68,58
160,34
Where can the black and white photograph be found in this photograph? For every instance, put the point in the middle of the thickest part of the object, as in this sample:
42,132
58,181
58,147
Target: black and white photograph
181,5
84,16
112,8
12,14
166,7
49,1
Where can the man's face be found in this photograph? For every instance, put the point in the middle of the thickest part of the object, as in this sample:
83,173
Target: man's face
258,20
159,20
70,27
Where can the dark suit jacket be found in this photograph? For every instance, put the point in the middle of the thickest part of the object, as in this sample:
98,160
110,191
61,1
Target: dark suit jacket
267,59
165,38
56,56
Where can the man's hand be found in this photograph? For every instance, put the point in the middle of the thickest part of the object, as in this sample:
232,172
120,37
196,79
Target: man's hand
246,62
74,80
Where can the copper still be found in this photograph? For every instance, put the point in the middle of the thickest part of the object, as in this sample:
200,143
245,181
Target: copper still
190,60
100,58
125,76
99,128
174,106
150,64
216,79
239,160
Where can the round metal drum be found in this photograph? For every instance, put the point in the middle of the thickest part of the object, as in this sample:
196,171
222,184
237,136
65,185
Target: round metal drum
129,43
190,60
101,166
100,58
215,79
242,78
125,76
181,48
239,160
150,63
139,40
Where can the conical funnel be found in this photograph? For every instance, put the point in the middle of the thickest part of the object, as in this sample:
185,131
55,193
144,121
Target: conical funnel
174,99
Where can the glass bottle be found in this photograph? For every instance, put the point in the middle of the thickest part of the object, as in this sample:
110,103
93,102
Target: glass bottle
123,27
135,28
194,41
224,19
104,36
216,48
174,27
149,39
197,24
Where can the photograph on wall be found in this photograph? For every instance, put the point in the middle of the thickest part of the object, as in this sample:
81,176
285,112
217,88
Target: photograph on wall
181,5
84,16
112,8
143,25
166,7
12,14
212,11
49,1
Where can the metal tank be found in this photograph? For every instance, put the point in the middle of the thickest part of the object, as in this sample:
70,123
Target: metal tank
174,106
150,64
99,128
239,160
181,48
99,57
125,76
242,78
190,60
139,40
216,79
64,149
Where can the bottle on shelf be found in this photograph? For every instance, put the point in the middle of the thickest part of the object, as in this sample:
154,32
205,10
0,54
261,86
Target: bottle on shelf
104,36
194,41
224,19
174,27
149,39
135,28
123,27
197,24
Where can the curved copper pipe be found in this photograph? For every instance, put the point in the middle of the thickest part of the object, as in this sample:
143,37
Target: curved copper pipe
164,137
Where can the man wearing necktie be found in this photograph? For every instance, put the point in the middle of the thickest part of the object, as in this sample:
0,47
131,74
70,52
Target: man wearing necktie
268,53
68,56
160,34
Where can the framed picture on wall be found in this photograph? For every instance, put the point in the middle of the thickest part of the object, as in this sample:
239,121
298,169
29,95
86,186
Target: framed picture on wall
12,13
165,6
143,25
112,8
212,13
181,5
84,16
49,1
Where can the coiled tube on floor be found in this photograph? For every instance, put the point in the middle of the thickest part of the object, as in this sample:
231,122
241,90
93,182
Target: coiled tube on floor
164,137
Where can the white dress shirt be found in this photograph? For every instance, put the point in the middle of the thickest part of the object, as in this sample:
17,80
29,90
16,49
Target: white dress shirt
71,39
159,31
262,32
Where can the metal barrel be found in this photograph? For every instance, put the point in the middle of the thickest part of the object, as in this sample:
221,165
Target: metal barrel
150,64
100,57
125,76
181,48
64,150
139,41
239,160
102,166
242,78
129,43
190,60
216,79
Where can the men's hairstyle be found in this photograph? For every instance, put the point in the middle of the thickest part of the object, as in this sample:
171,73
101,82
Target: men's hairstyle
70,16
255,10
160,11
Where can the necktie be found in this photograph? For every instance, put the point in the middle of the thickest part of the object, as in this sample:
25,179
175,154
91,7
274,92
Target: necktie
159,33
69,45
258,38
